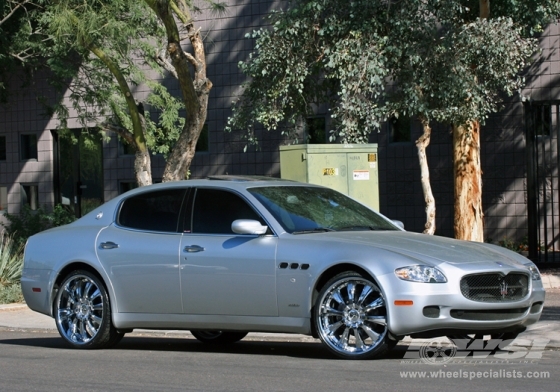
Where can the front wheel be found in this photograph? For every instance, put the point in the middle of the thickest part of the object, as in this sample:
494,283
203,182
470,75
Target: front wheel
351,317
218,337
82,312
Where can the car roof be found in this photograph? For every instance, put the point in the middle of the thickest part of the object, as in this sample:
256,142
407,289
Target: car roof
238,182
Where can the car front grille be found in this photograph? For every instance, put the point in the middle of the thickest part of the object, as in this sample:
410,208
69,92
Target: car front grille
495,287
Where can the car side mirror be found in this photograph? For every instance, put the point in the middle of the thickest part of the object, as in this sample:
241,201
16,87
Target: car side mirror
398,223
248,226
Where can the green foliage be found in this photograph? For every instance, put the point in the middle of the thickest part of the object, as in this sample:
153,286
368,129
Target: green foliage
19,42
11,263
28,222
370,60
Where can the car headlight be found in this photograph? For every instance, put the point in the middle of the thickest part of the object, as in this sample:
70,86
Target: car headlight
535,274
421,273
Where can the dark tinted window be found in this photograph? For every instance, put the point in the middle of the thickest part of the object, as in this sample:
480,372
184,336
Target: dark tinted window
215,210
152,211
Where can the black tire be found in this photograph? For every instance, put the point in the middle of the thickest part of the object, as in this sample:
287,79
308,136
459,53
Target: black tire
351,317
82,312
218,337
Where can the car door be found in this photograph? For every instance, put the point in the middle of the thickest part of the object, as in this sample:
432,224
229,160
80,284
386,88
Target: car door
223,273
140,252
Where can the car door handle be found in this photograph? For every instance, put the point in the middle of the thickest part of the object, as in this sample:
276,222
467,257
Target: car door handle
108,245
193,248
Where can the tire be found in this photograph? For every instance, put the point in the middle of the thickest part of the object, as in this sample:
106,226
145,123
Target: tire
82,311
218,337
351,317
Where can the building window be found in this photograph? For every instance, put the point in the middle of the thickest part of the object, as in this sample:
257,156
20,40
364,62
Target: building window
2,148
202,143
3,199
125,186
316,130
399,129
28,147
126,148
30,196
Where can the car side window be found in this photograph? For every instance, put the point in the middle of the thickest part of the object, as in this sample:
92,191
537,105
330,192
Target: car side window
152,211
215,210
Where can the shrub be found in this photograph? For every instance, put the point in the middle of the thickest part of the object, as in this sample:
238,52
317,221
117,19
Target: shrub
28,222
11,263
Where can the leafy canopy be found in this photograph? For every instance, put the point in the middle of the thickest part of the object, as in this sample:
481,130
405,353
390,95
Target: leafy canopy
372,59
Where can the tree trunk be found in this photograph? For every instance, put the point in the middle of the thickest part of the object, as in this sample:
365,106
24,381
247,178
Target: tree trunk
469,218
421,144
142,162
142,168
195,89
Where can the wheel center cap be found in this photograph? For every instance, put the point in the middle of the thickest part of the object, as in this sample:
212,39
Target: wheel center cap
353,317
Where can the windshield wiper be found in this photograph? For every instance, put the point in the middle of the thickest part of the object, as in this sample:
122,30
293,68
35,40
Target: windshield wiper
359,228
314,230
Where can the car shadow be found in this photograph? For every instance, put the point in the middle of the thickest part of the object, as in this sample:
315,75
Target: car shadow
304,350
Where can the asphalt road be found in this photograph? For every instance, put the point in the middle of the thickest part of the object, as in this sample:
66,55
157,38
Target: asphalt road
39,361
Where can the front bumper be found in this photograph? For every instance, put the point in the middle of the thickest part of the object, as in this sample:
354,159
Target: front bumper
439,309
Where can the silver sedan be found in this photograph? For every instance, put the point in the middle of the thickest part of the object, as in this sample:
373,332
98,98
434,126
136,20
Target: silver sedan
226,256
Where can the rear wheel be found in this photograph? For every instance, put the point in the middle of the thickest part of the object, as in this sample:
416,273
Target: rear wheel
351,317
83,312
218,337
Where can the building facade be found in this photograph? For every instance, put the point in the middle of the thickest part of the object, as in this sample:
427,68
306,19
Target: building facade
520,147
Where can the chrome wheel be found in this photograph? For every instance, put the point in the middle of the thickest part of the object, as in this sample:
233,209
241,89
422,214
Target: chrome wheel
218,337
351,317
82,312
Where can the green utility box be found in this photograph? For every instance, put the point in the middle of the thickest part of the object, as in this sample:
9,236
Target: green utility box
348,168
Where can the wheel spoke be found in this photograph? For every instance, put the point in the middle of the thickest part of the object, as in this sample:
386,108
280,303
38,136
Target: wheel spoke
380,320
351,289
359,342
332,328
365,292
343,340
329,311
371,333
337,297
375,304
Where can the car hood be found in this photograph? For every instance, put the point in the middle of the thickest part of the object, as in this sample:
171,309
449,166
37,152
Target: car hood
428,248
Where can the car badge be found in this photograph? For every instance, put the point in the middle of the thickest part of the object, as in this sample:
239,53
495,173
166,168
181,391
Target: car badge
503,288
500,264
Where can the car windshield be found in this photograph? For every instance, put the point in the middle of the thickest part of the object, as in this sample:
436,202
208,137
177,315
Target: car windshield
301,209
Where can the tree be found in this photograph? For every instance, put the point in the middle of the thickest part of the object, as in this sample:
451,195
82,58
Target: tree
111,44
372,60
17,39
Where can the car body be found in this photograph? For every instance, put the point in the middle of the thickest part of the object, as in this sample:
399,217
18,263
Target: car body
230,255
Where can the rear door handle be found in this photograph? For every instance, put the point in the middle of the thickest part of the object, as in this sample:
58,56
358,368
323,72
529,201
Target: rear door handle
108,245
193,248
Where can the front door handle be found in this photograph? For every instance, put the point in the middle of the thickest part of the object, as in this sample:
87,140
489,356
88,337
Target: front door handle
108,245
193,248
